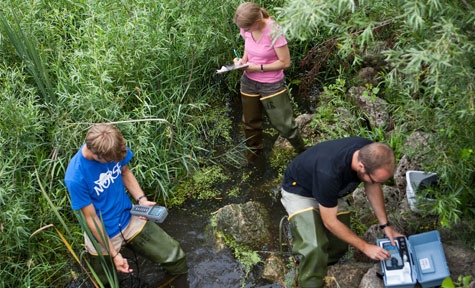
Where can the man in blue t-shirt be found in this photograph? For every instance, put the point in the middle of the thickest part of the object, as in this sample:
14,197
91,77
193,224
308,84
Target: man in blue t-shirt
98,178
313,184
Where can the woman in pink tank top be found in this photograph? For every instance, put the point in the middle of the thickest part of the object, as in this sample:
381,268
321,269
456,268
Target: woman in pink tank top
263,86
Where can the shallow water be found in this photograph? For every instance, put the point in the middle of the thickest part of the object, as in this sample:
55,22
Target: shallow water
210,266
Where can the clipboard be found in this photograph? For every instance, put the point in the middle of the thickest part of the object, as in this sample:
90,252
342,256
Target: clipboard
231,67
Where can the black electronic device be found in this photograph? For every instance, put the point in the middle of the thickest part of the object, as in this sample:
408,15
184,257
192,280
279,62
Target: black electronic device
395,261
402,246
153,213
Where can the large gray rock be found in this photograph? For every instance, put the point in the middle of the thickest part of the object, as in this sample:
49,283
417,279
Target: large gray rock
352,276
245,223
374,107
404,165
370,279
460,260
274,269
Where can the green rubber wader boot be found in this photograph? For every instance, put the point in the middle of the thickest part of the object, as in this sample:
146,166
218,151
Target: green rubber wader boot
280,113
252,119
297,143
337,247
309,243
159,247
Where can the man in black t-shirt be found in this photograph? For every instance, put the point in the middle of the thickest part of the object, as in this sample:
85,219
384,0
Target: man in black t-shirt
313,184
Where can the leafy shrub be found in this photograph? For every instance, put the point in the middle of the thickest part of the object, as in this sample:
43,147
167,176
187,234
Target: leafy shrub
427,79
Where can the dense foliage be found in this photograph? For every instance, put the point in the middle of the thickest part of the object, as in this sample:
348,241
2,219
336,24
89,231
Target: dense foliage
428,77
148,66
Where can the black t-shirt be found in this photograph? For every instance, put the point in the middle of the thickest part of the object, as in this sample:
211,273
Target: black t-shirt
324,171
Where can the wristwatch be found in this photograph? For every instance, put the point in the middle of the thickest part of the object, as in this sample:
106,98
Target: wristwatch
262,68
384,225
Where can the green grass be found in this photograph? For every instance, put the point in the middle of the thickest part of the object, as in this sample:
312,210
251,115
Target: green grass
149,67
146,65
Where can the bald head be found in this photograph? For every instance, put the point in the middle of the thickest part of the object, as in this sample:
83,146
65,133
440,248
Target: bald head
376,156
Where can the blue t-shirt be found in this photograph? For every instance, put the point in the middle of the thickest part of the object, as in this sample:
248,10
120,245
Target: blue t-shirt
100,184
324,171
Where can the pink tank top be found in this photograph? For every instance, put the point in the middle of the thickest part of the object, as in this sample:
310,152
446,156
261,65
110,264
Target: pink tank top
262,52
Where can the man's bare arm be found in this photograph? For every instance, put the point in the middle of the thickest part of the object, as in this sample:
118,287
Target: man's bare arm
339,229
96,227
376,199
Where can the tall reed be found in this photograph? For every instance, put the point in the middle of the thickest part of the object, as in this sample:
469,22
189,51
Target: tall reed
68,64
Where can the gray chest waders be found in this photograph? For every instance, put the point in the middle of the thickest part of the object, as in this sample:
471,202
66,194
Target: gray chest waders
315,246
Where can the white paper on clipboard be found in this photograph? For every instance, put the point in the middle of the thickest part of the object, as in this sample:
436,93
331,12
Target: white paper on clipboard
230,68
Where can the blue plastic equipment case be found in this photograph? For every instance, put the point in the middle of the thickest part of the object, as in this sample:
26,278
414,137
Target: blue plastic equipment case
426,263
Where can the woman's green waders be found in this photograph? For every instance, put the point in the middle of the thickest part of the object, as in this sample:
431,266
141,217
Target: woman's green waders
252,120
279,110
315,246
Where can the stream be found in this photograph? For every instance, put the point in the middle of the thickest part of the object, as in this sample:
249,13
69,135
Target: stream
189,224
210,266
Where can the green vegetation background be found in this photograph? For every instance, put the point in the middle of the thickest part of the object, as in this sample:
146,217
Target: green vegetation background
149,67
